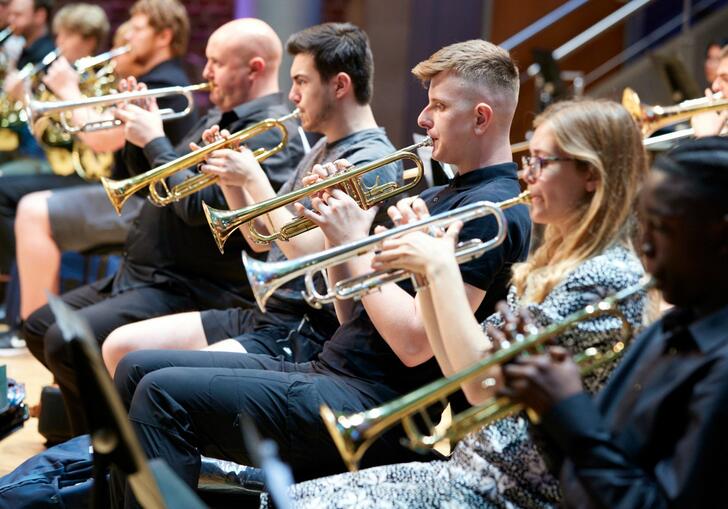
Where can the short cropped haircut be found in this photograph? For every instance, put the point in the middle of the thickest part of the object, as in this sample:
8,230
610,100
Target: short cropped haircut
163,14
477,61
702,164
87,20
338,47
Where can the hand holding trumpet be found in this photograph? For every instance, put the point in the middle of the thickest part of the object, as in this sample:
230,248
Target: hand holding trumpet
141,118
234,167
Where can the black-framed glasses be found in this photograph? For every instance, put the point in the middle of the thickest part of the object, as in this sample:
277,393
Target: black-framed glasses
533,165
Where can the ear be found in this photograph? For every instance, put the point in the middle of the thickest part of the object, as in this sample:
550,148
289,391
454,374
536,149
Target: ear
257,65
592,181
164,37
483,117
342,84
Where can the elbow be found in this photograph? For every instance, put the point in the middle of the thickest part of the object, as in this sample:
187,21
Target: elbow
414,354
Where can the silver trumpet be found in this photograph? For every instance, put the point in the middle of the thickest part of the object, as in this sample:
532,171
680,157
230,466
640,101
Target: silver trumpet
266,277
38,109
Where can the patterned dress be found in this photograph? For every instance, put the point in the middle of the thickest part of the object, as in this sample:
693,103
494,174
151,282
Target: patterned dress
497,466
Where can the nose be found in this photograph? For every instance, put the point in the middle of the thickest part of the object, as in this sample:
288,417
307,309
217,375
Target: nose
424,120
207,72
294,96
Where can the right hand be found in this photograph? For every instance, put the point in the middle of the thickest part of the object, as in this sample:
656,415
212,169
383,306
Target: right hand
232,166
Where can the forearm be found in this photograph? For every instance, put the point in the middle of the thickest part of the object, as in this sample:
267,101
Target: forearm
237,198
463,340
432,329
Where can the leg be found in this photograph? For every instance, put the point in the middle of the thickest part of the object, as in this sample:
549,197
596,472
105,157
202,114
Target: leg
104,313
38,256
182,331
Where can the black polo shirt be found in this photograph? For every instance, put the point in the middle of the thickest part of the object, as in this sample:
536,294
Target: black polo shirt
357,350
174,243
35,52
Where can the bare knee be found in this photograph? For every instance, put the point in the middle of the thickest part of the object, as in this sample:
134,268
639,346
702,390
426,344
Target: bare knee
32,215
115,346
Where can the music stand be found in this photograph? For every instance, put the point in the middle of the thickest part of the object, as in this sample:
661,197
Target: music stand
112,437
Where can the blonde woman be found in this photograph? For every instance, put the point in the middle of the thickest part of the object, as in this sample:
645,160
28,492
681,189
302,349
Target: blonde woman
585,167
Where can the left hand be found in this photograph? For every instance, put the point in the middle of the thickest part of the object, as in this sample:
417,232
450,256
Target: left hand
710,123
541,381
141,124
321,172
339,217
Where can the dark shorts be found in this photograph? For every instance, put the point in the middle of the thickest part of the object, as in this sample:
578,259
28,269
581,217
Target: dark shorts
298,337
82,218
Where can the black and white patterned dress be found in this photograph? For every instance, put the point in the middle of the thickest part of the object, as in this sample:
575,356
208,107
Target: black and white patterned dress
497,466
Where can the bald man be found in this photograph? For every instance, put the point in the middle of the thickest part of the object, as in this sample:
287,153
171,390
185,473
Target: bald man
171,263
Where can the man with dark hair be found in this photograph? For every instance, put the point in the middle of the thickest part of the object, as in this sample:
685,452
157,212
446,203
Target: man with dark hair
329,106
185,403
654,436
171,263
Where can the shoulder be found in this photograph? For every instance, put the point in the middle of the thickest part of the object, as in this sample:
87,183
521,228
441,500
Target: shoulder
365,146
615,268
168,73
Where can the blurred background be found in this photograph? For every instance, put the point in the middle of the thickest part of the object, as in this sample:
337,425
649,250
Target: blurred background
594,47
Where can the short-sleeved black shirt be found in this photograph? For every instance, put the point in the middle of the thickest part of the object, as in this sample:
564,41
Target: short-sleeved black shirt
174,243
357,350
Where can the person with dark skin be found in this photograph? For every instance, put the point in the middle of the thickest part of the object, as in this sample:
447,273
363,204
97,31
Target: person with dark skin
654,435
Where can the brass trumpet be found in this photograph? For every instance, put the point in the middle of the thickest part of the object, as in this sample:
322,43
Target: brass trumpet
651,118
353,434
120,190
224,222
266,277
35,110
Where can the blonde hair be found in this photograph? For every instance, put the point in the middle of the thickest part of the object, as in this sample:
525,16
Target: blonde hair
604,138
87,20
167,14
477,61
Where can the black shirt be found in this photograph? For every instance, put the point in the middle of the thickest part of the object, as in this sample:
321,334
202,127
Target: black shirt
166,74
357,350
35,52
174,243
655,435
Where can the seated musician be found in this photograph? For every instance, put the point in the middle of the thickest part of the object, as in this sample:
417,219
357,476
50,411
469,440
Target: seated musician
655,434
332,74
170,262
184,403
585,157
48,223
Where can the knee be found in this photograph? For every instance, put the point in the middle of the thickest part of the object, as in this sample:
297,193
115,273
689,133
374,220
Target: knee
129,373
54,345
32,214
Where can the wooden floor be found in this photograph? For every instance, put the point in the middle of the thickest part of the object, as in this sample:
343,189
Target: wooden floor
26,442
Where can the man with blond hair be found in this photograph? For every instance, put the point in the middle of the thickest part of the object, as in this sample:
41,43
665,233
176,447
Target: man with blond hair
183,404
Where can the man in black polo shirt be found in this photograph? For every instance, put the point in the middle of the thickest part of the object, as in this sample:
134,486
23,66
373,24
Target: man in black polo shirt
323,55
654,436
171,262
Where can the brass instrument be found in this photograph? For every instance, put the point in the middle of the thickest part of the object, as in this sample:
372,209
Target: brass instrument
224,222
266,277
36,110
652,118
354,433
120,190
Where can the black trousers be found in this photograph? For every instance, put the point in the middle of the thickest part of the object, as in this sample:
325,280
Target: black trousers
12,190
185,403
104,313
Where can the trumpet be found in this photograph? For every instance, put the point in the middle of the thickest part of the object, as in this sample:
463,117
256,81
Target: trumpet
121,190
35,110
353,434
224,222
652,118
266,277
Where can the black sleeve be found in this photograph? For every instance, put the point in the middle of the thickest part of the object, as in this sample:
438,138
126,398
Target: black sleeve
690,472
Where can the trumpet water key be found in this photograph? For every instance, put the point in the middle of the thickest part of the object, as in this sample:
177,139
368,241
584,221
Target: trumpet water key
266,277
